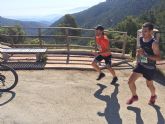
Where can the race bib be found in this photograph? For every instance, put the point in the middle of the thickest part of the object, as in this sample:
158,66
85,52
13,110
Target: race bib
143,59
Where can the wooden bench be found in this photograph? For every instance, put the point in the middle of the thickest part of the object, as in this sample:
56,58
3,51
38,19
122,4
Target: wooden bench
38,51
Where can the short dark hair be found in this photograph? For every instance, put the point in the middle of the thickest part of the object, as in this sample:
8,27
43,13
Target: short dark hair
99,27
148,25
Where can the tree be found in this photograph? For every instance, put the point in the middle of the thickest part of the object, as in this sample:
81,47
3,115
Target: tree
17,30
69,21
130,42
129,25
2,31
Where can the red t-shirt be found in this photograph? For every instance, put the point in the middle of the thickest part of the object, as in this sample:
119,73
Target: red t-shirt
102,44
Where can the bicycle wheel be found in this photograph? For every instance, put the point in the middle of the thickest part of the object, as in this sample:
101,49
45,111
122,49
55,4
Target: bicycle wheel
8,78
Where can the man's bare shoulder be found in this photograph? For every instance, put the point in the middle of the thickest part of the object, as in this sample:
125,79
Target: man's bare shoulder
155,44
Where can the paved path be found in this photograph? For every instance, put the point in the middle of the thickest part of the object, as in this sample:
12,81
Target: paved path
72,97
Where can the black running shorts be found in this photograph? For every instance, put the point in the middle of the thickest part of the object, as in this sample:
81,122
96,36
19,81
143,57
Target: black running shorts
147,73
107,59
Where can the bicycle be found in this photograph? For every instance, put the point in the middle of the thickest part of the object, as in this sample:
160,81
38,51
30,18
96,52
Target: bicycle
8,77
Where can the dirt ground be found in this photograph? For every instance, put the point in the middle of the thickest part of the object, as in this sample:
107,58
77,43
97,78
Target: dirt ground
75,97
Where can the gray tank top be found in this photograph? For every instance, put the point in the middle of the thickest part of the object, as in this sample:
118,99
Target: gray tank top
147,47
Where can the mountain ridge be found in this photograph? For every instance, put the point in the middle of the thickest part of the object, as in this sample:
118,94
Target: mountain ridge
111,12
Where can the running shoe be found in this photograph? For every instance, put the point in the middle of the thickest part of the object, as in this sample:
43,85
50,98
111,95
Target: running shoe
152,100
132,99
114,80
101,75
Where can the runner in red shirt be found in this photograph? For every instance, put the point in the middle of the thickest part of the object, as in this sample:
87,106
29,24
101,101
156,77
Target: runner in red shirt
104,54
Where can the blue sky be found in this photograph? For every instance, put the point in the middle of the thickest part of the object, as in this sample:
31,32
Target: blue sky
11,8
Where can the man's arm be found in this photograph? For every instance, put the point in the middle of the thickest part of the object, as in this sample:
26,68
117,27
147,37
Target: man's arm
156,50
139,52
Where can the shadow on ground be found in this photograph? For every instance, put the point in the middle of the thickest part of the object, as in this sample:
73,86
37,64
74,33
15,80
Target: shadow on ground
111,112
139,119
160,117
159,77
137,111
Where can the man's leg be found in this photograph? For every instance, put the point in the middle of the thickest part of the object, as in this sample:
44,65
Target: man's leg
134,76
96,67
151,87
108,63
115,79
149,74
112,71
131,82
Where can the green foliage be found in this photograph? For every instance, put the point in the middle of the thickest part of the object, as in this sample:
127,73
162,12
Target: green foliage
16,30
32,41
129,25
92,43
162,45
69,21
157,16
44,58
2,30
130,42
